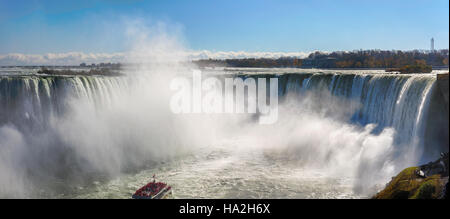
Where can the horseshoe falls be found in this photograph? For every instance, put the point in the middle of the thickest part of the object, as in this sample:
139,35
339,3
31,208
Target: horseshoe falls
339,135
402,102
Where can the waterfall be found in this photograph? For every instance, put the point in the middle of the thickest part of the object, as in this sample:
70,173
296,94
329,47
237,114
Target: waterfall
86,125
386,100
31,100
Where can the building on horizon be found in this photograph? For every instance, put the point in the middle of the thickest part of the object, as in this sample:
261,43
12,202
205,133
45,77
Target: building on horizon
432,44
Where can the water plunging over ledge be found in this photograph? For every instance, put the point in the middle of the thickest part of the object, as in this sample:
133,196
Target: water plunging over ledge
94,136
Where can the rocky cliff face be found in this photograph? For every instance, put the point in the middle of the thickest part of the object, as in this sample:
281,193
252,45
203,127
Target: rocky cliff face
442,80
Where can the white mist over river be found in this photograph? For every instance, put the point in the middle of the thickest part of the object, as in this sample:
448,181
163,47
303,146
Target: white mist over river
340,134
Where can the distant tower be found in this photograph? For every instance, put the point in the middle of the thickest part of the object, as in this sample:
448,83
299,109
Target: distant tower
432,44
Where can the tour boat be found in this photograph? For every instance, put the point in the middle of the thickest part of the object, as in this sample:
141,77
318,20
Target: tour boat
153,190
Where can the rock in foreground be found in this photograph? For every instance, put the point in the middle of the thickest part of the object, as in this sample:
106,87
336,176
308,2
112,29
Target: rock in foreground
424,182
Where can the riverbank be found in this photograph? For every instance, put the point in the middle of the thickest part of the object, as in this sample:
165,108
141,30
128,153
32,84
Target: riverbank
93,71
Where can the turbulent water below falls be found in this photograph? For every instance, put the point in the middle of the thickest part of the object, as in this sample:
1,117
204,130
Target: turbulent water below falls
339,135
226,171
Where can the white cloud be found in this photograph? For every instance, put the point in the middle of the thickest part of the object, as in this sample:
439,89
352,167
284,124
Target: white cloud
75,58
205,54
70,58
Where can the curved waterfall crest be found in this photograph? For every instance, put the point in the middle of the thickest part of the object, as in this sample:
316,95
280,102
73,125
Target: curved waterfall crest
387,100
98,124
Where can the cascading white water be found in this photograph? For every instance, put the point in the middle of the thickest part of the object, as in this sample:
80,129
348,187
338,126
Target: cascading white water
107,126
387,100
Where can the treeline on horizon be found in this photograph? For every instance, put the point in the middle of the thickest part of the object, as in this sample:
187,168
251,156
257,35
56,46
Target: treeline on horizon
354,59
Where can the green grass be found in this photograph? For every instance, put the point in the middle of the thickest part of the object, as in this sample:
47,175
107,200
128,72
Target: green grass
407,185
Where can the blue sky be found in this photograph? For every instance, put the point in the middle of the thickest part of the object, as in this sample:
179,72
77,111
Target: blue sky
36,27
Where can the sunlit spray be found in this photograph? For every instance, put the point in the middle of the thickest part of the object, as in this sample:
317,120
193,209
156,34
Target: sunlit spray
208,97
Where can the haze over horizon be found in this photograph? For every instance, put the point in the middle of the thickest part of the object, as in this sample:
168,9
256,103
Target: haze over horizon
34,32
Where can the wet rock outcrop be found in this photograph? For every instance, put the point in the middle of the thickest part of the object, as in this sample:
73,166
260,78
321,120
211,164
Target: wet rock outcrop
429,181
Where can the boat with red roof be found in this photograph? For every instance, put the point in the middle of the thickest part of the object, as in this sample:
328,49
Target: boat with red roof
153,190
